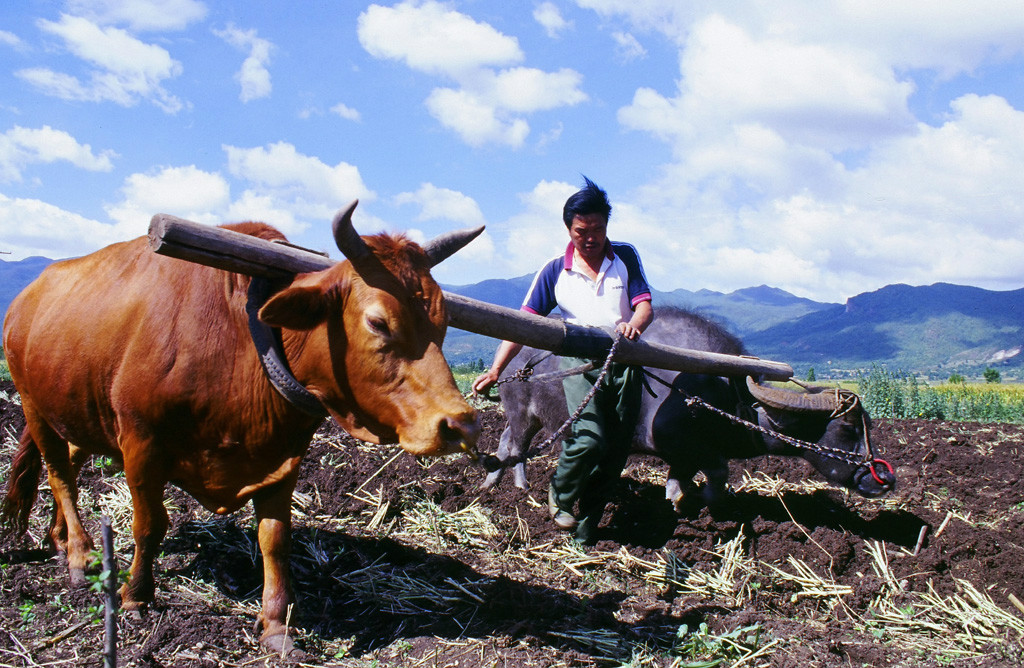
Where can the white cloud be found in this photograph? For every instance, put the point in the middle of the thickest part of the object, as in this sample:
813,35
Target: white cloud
628,47
475,120
11,40
431,38
187,192
526,89
254,77
32,227
289,180
127,70
537,233
140,15
550,18
346,112
488,105
946,35
442,203
488,110
20,147
252,206
809,95
936,204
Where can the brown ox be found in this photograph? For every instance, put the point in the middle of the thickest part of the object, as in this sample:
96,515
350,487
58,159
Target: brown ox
148,360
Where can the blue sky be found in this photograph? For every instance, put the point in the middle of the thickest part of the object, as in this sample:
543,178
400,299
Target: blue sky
827,148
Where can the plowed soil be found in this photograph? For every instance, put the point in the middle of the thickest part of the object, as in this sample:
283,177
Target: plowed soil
378,585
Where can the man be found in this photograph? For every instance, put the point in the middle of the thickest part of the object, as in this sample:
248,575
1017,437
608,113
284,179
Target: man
595,282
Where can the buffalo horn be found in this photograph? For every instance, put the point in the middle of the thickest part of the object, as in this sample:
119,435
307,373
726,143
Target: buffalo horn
349,242
441,248
792,401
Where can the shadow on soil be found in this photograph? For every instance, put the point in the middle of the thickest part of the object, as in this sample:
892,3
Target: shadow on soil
644,518
375,591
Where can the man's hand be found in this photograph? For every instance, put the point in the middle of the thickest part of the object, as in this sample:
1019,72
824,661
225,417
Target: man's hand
627,330
484,382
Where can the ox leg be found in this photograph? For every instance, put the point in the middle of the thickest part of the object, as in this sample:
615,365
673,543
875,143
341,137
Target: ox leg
58,531
149,525
273,514
66,531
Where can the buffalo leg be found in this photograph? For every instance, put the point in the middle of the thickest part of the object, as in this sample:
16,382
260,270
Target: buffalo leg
679,485
273,514
512,448
149,525
718,477
66,530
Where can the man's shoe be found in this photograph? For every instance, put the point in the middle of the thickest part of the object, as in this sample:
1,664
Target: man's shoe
563,519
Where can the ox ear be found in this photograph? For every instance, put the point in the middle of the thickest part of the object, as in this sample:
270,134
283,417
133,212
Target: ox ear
302,307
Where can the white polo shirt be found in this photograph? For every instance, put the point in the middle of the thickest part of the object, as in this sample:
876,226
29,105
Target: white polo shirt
605,302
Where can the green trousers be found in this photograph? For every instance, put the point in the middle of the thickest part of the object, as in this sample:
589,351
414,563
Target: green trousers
595,451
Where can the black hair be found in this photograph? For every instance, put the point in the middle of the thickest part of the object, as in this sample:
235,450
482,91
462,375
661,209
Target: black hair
589,199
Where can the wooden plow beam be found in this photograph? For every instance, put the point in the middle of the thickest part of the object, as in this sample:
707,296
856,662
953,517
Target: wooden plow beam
232,251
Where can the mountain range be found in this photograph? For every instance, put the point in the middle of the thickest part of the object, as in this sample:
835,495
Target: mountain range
933,330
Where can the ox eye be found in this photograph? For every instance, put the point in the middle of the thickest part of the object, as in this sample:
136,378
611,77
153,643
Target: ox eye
379,325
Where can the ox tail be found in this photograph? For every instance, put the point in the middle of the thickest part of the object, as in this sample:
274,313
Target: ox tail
22,486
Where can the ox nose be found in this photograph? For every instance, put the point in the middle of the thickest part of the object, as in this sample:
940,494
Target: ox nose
460,433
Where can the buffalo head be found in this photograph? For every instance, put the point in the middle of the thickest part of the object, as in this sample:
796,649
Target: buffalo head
835,431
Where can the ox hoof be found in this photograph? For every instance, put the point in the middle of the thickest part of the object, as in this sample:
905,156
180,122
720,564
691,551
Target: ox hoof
136,609
77,576
135,614
283,646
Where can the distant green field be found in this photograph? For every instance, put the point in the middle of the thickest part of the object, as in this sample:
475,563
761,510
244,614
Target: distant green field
898,395
465,374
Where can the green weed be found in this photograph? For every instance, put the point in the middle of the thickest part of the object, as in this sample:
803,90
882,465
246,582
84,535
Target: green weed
27,611
701,649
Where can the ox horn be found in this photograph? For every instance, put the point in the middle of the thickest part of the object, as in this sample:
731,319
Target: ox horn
817,402
443,247
349,242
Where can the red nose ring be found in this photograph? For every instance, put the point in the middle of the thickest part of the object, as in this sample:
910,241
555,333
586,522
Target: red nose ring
875,475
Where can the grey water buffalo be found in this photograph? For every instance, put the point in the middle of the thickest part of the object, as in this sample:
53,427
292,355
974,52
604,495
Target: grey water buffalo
149,360
829,429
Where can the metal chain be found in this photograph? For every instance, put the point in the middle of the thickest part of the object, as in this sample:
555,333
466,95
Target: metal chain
522,374
586,400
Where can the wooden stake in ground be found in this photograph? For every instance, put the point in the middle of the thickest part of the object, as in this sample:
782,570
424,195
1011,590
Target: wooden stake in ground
110,595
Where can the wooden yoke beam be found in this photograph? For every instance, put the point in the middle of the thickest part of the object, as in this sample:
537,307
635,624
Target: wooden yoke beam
232,251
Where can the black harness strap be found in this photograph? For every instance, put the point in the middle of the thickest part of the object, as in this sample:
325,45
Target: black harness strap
271,353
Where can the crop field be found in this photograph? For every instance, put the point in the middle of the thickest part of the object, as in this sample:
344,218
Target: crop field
405,562
897,395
